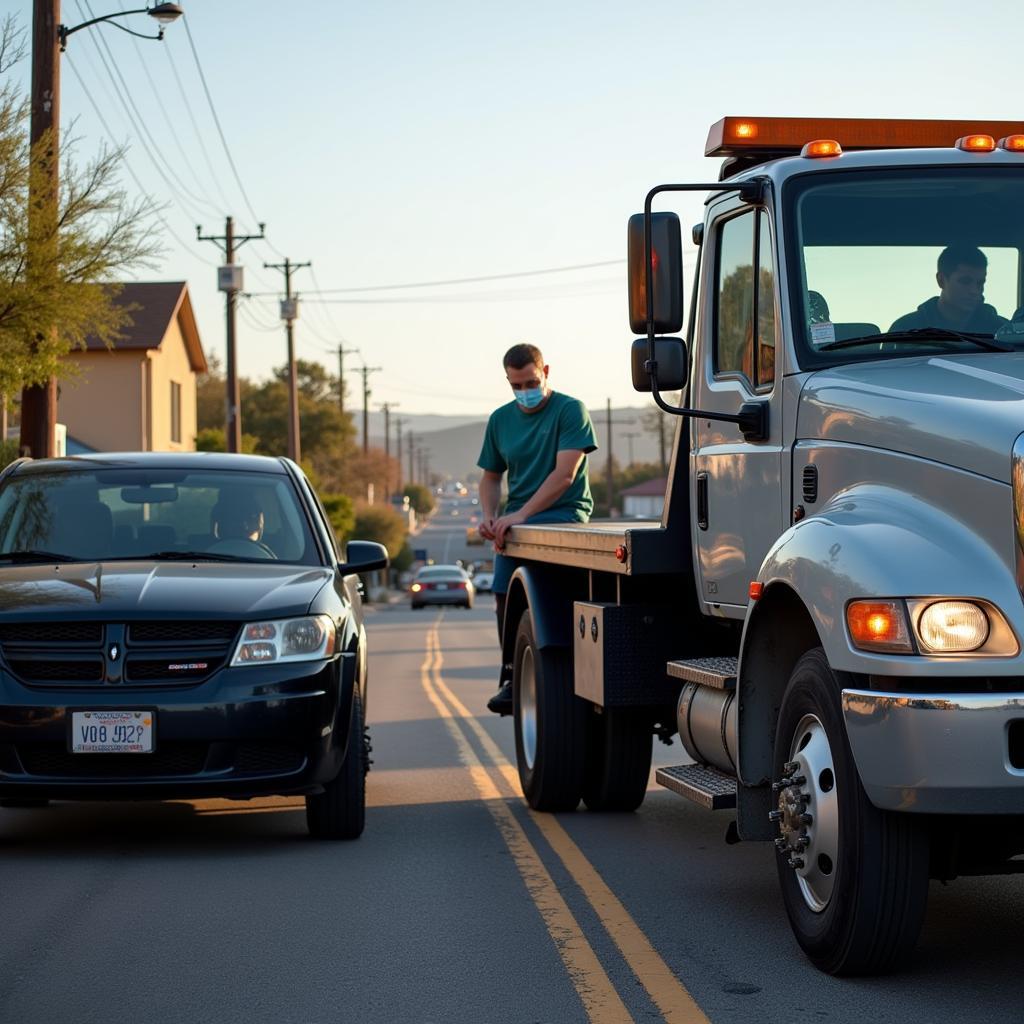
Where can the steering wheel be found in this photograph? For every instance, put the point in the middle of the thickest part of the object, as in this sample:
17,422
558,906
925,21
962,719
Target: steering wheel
241,547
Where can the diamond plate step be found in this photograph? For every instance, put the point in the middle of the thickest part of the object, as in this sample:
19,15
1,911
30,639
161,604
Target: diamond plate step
703,785
719,673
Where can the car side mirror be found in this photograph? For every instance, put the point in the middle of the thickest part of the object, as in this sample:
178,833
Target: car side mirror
671,356
667,260
364,556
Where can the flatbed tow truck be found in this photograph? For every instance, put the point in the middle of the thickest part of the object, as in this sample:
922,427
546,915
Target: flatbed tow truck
829,612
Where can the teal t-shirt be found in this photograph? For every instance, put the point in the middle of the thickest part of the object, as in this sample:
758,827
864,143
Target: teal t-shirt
525,445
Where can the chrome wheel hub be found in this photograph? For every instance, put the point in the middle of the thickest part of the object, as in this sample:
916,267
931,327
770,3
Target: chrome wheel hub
528,707
807,813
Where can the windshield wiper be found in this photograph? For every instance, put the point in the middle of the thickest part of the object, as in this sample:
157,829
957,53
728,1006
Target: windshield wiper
33,555
921,334
177,556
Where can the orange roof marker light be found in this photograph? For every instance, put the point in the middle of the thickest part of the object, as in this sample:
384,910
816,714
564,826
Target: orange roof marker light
745,130
976,143
822,147
1012,143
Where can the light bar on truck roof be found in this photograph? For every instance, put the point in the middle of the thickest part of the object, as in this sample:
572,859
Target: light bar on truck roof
733,136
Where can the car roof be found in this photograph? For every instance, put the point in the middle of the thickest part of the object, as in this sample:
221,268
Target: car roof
221,462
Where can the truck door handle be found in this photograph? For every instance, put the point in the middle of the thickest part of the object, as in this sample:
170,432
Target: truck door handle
702,501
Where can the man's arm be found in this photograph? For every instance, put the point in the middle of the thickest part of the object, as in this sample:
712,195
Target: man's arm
490,499
558,481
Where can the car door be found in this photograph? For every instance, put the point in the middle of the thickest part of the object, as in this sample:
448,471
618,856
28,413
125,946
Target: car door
736,482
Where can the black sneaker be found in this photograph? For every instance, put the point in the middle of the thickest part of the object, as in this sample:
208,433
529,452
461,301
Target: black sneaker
501,702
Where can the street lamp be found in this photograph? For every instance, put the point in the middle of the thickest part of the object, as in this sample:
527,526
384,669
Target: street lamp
49,39
163,13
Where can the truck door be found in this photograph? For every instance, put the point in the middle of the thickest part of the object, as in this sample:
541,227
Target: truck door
735,483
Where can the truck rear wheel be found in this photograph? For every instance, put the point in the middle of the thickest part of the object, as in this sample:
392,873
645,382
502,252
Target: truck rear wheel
618,760
854,879
549,723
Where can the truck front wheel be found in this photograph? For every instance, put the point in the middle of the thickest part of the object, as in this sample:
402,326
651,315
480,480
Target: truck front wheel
854,879
549,723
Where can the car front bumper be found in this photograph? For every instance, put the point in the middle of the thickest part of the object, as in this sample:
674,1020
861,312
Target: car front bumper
245,732
938,753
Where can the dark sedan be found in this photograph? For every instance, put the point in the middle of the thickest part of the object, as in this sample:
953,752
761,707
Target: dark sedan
180,626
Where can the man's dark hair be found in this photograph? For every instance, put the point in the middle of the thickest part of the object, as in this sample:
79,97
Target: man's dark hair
960,255
519,356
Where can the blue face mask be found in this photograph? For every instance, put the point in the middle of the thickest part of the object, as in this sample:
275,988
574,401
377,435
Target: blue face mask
530,398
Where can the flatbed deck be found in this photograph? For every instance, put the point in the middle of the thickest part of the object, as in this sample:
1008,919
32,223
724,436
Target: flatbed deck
629,547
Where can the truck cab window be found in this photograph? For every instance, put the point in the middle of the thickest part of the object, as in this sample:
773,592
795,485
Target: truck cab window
737,351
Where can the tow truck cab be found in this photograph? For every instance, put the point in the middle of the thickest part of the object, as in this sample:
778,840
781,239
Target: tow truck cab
829,611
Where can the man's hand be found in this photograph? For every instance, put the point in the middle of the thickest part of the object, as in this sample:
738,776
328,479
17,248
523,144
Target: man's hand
486,529
503,525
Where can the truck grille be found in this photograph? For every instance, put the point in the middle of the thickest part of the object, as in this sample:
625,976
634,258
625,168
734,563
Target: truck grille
153,653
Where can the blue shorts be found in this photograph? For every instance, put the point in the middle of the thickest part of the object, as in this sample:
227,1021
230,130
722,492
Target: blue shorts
505,565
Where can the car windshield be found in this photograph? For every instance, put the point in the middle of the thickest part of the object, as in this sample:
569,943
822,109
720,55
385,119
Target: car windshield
138,513
442,572
896,263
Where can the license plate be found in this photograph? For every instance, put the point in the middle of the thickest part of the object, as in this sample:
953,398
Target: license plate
112,732
442,586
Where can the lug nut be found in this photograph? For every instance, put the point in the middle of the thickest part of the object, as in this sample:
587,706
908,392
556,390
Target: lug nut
796,862
778,787
775,815
781,843
806,819
791,766
803,842
798,780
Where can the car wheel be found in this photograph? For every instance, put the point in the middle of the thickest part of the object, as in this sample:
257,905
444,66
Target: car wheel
550,723
339,812
854,878
23,802
618,759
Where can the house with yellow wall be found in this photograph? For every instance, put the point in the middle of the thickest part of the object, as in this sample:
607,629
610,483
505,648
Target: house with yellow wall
139,395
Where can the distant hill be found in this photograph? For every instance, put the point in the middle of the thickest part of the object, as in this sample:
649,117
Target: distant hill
455,447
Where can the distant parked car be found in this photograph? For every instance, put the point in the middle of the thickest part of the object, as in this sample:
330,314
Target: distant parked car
441,584
483,581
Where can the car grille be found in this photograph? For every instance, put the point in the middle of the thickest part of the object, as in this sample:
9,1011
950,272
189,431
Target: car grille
267,758
169,760
153,653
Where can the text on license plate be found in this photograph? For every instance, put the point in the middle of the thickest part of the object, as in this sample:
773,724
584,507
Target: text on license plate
112,732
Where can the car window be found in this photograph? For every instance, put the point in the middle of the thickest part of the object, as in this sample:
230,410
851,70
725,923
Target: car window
134,512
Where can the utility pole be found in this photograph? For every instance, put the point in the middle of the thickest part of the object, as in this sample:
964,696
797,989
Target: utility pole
629,435
387,407
342,352
608,465
412,467
229,281
398,449
39,403
366,371
289,313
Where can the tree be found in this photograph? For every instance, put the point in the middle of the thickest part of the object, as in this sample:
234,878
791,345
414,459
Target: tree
655,421
59,270
421,498
382,524
341,514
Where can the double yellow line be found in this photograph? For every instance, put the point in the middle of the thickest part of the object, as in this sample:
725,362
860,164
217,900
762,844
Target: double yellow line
496,783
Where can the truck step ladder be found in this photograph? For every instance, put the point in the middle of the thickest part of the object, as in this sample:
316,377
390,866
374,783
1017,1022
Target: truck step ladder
718,673
700,783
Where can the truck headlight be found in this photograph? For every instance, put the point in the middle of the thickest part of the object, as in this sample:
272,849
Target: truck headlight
309,638
952,626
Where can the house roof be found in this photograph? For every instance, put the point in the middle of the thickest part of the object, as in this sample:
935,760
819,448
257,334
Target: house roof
647,489
156,304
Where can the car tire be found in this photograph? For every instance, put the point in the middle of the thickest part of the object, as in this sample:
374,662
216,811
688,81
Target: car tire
856,894
618,759
339,812
550,723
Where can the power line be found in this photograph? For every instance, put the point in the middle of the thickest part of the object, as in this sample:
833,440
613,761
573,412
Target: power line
216,121
128,167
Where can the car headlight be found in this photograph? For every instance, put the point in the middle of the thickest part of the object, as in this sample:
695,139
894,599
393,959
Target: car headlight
310,638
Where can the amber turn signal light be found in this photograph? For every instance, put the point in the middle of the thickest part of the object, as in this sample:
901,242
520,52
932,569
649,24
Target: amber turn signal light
1012,143
822,147
879,626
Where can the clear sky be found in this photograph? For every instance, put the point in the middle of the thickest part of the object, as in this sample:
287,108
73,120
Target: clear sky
401,142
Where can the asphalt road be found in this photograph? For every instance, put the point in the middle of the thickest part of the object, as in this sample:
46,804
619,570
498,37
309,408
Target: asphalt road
457,904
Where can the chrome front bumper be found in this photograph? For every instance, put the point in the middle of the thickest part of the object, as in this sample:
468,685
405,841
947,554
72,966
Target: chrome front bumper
936,753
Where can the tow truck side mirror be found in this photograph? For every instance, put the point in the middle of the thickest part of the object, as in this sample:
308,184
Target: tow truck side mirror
670,354
667,259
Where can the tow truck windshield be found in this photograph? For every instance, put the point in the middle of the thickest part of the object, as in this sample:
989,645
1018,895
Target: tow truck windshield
902,262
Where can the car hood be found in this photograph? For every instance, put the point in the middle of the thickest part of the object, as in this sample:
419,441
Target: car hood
964,410
134,590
